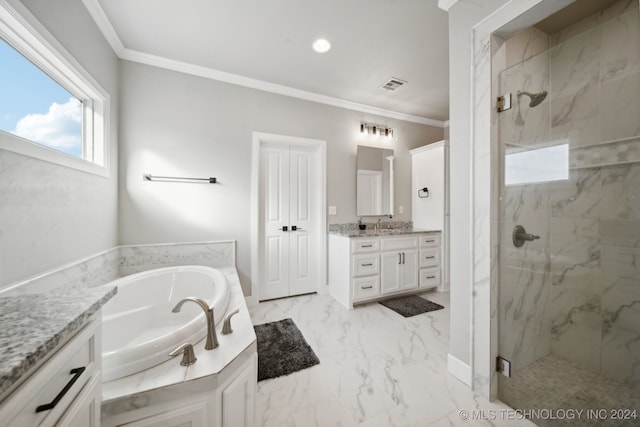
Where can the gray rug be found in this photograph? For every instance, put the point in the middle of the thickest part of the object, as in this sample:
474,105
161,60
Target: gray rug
411,305
282,350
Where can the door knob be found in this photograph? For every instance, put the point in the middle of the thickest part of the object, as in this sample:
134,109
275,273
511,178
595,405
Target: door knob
520,236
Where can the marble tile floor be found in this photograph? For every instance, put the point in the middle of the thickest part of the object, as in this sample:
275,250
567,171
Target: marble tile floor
555,383
377,369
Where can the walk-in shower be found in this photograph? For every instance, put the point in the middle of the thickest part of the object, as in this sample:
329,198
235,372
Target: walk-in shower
569,302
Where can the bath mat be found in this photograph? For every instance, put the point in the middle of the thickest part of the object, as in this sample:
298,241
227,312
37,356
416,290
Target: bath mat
411,305
282,350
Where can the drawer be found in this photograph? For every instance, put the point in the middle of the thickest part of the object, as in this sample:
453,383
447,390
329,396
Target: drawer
429,257
368,245
393,243
366,287
63,371
429,278
366,264
430,240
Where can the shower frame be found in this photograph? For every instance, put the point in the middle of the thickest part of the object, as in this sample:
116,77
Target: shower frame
485,182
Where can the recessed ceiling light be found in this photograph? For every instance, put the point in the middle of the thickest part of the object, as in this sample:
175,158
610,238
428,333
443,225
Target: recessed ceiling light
321,45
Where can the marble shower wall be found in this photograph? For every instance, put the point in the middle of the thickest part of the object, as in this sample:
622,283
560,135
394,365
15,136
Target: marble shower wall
575,293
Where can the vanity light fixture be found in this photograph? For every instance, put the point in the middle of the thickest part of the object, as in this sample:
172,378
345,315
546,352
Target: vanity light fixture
376,130
321,45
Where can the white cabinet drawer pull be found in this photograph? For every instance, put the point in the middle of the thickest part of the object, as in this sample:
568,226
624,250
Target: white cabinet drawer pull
429,241
76,372
430,257
431,277
366,287
366,246
367,265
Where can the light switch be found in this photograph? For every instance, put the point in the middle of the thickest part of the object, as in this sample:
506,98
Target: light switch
401,209
333,210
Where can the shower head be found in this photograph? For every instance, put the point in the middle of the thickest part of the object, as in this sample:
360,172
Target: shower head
536,98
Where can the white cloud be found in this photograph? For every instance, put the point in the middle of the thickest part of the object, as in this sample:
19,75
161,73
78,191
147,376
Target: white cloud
60,128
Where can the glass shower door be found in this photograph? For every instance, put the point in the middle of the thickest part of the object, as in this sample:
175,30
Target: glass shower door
569,276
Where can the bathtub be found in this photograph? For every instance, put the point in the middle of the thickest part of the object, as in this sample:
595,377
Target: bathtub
138,327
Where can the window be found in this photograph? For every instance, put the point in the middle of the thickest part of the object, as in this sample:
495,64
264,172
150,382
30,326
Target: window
537,165
50,107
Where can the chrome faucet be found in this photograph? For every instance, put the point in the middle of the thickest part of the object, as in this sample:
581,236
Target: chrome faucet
212,338
378,225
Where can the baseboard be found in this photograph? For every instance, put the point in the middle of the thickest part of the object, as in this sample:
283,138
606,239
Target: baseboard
459,369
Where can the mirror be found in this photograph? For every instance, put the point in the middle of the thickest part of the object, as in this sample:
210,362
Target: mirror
374,181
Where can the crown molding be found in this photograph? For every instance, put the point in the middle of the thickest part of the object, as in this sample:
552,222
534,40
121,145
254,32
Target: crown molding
446,4
210,73
98,15
100,18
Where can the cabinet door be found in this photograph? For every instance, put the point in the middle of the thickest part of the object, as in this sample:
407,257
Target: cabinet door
409,269
85,411
238,399
389,273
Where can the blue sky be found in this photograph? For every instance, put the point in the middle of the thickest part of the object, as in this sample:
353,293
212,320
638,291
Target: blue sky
26,91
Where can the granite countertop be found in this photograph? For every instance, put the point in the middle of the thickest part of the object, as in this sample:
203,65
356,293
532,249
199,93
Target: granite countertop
32,326
381,232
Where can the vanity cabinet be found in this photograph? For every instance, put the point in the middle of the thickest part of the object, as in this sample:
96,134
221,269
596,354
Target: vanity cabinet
65,390
363,269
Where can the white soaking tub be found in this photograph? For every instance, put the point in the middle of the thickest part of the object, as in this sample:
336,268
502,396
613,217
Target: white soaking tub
139,329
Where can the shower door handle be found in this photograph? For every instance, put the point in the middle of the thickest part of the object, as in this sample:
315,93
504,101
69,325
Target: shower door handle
520,236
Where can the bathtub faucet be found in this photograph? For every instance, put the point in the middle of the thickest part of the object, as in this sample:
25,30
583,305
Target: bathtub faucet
212,338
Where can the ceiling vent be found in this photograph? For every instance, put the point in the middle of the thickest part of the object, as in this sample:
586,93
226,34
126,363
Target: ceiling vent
393,84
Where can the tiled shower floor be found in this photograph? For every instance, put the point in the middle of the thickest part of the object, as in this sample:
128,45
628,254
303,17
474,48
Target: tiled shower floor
554,383
377,369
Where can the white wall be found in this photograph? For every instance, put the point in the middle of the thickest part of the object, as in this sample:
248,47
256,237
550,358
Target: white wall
181,125
463,16
51,215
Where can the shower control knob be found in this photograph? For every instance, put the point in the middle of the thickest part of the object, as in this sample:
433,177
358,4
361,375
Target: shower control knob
520,236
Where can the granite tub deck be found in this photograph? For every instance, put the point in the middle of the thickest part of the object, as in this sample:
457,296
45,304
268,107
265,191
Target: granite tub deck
33,327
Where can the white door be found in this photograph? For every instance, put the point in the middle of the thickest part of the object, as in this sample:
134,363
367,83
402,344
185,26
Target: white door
289,188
